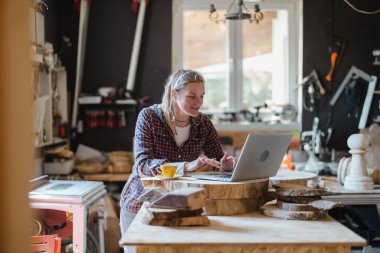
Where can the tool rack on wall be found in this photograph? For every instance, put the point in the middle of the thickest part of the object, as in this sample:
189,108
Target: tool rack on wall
107,127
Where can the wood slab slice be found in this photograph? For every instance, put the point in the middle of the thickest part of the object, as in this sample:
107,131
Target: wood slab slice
159,213
288,206
151,195
311,206
273,211
299,199
200,220
149,219
295,177
292,186
325,204
301,192
225,207
190,198
214,189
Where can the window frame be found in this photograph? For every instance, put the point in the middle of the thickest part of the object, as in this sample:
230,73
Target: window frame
293,70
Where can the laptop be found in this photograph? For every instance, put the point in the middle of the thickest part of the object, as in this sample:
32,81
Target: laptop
260,157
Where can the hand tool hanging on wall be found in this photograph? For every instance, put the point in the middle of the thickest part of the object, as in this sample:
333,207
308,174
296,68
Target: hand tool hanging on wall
314,89
336,52
351,77
353,97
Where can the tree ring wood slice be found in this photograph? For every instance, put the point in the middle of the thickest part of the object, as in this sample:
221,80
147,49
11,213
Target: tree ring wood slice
214,189
301,193
300,199
294,177
222,207
273,211
287,206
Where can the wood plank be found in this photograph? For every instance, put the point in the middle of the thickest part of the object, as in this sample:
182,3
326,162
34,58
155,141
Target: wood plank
160,218
189,198
273,211
152,195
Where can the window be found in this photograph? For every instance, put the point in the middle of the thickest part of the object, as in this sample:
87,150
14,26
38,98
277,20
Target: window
245,64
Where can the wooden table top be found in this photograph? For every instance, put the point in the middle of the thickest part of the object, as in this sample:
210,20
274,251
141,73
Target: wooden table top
253,229
107,177
350,197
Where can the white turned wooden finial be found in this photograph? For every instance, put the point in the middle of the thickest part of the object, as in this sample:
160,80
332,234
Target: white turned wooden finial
358,178
358,141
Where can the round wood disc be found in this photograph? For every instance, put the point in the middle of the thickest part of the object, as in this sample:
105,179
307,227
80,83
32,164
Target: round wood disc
273,211
287,206
294,177
214,189
222,207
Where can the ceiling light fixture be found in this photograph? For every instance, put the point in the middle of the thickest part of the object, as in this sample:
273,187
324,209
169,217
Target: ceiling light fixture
237,11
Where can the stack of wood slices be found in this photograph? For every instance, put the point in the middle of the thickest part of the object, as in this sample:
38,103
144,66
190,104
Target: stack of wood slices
222,198
182,207
298,202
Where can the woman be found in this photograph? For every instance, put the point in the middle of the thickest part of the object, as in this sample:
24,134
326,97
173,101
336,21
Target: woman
172,132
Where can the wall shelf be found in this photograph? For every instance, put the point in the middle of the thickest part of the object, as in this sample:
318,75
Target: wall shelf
50,102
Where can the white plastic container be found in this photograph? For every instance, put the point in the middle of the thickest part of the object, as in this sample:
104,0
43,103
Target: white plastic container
59,168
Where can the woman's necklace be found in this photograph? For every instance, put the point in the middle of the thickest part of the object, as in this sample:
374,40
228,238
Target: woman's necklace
183,121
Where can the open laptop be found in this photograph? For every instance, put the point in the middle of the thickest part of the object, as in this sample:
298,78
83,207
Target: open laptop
260,157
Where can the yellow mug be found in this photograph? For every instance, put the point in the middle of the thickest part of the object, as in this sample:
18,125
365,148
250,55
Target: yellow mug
168,170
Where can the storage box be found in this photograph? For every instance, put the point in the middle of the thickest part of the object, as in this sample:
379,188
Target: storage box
61,168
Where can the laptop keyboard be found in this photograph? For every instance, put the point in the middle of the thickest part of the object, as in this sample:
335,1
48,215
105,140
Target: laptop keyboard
219,177
222,176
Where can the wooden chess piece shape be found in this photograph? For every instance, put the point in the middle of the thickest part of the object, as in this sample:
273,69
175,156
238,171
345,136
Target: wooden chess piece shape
358,178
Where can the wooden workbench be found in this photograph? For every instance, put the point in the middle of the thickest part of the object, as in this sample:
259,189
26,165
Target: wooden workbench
351,197
249,233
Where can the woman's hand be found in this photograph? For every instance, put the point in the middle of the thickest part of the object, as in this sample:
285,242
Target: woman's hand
200,163
228,162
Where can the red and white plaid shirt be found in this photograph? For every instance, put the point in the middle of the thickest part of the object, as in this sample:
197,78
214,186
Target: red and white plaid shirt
155,145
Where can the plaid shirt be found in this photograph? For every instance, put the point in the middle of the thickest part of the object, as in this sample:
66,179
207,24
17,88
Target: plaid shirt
155,145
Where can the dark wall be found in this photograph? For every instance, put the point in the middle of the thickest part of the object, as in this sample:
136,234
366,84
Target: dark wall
110,39
109,46
111,30
324,21
61,19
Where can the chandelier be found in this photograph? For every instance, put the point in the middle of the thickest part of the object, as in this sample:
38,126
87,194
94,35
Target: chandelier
237,11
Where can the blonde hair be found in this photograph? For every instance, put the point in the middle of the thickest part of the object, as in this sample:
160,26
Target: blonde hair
177,81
